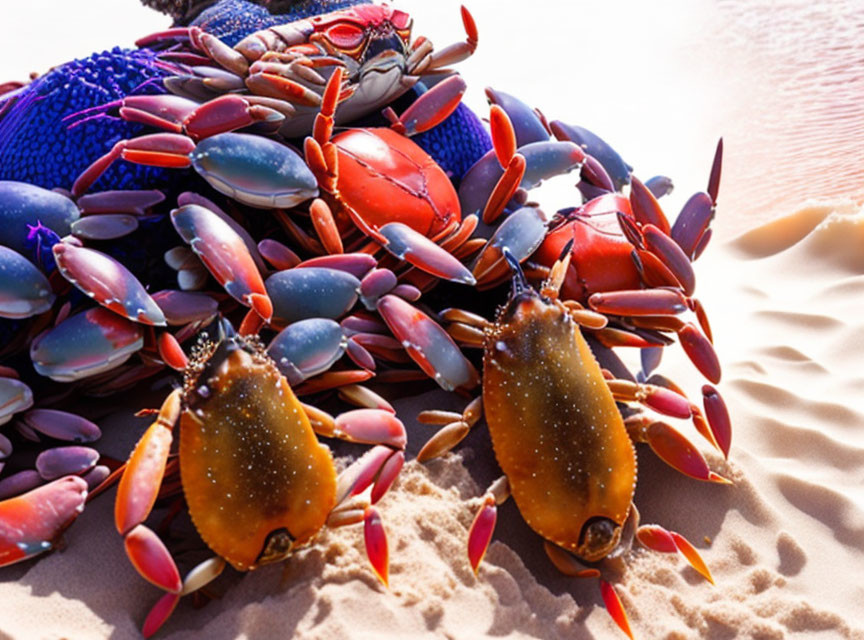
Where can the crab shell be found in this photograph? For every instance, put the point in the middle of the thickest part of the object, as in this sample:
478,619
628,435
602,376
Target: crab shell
557,432
385,177
256,479
601,259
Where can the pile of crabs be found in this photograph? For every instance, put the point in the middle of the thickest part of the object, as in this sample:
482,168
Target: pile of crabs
328,213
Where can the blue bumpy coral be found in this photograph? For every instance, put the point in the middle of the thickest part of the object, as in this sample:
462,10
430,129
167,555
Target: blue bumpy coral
41,145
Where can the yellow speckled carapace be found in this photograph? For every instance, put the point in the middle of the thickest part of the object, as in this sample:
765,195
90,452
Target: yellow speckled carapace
257,481
557,433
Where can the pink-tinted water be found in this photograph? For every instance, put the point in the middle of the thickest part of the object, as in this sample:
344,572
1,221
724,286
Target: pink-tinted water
798,125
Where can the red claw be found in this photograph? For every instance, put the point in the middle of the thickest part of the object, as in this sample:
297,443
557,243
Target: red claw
718,418
152,559
701,352
376,544
679,453
646,209
693,557
656,538
481,530
615,608
160,612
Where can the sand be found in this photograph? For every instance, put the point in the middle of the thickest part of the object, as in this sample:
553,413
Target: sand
785,543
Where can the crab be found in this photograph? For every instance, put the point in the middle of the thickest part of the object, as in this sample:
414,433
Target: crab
566,451
258,484
276,76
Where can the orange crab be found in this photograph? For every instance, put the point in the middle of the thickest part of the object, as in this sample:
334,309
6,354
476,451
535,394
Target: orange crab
257,482
566,451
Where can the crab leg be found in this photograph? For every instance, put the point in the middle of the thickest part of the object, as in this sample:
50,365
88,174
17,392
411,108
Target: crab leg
480,533
672,447
513,163
453,431
137,494
451,54
430,109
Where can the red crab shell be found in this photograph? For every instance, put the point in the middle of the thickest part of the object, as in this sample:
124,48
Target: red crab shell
601,259
385,177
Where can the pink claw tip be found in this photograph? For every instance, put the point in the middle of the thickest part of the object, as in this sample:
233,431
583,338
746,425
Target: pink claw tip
159,614
480,533
376,545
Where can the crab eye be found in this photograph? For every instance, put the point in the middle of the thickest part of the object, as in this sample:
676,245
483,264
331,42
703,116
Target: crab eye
400,19
345,36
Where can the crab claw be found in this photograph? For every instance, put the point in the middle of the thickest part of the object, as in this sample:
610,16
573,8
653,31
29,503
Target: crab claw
254,170
371,426
224,254
24,290
431,108
85,344
657,538
32,522
406,244
718,418
375,538
615,608
22,204
597,148
662,246
428,344
160,612
152,559
481,531
108,282
313,292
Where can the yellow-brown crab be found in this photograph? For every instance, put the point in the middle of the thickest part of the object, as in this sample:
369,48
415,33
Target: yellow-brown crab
566,451
257,482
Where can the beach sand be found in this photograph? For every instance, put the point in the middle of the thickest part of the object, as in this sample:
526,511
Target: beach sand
783,288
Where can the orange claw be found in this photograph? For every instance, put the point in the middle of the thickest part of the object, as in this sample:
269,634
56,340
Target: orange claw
139,485
656,538
615,608
376,544
503,135
693,557
504,189
481,530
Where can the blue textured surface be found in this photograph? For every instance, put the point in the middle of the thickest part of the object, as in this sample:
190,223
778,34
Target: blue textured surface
233,20
457,143
39,147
